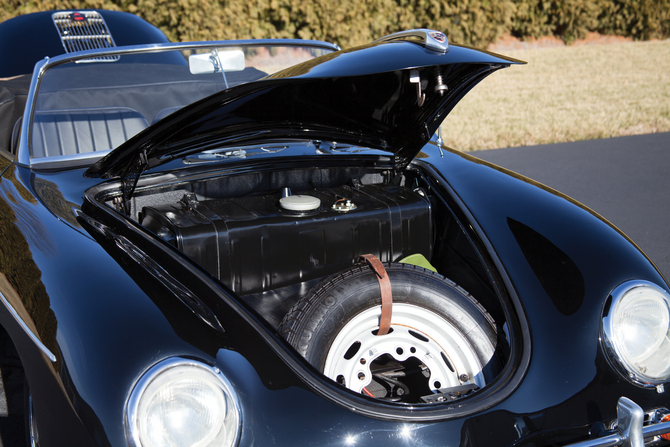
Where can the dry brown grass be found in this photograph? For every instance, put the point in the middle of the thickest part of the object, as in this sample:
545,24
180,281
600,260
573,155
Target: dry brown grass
567,94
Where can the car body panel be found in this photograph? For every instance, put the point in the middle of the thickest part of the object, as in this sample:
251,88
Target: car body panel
132,304
108,299
338,96
532,227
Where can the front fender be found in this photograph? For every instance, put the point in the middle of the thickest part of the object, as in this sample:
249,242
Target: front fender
561,260
83,327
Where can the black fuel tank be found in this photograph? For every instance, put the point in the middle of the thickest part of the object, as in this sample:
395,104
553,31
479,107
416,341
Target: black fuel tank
252,244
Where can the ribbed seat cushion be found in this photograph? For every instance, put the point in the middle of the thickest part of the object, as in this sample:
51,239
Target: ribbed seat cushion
78,131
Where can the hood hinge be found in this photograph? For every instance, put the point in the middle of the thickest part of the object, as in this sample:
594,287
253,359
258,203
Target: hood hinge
129,181
400,164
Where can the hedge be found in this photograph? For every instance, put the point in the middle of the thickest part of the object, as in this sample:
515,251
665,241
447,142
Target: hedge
573,19
354,22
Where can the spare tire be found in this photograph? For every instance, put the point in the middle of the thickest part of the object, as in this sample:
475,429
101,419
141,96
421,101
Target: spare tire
442,344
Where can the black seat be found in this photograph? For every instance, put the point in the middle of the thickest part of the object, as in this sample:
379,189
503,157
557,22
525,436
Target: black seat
78,131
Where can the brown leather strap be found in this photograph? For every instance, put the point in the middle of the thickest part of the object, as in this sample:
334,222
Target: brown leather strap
385,289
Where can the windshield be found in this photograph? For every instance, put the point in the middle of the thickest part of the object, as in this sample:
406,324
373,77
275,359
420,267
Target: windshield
84,108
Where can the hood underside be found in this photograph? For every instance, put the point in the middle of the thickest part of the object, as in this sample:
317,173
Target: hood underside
386,95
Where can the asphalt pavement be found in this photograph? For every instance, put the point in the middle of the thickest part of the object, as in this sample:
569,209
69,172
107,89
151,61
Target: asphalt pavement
626,180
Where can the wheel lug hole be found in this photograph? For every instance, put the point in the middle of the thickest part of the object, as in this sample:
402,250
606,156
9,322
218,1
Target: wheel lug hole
412,350
463,377
363,361
361,376
399,351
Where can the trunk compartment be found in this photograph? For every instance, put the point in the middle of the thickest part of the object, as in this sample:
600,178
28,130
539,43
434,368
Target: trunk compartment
252,244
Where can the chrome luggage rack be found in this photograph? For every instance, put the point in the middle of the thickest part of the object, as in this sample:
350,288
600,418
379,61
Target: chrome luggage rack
84,30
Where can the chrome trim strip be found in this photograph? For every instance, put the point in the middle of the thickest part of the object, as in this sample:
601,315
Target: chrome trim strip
173,46
32,426
23,150
73,157
27,330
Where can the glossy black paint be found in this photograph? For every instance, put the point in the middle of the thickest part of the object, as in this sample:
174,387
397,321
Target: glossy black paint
91,289
568,378
352,96
94,371
108,299
29,38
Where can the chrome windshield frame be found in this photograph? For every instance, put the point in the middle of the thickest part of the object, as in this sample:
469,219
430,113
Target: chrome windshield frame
23,151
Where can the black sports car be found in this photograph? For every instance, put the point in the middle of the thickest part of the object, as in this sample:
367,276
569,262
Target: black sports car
265,242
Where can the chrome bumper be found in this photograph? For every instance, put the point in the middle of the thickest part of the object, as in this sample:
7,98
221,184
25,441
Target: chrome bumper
630,431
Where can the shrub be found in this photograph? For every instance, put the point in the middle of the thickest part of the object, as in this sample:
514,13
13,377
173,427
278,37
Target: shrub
354,22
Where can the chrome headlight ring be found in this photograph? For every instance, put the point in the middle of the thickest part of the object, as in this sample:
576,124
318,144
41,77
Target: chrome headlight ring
636,332
183,403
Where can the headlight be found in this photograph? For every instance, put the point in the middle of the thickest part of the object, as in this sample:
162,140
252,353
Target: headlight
636,322
182,403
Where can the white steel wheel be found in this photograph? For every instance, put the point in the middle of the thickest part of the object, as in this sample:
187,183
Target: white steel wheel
415,332
441,345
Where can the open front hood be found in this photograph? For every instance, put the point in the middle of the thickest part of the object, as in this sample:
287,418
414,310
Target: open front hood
391,95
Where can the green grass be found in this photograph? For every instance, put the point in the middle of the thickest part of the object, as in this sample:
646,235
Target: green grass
566,94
